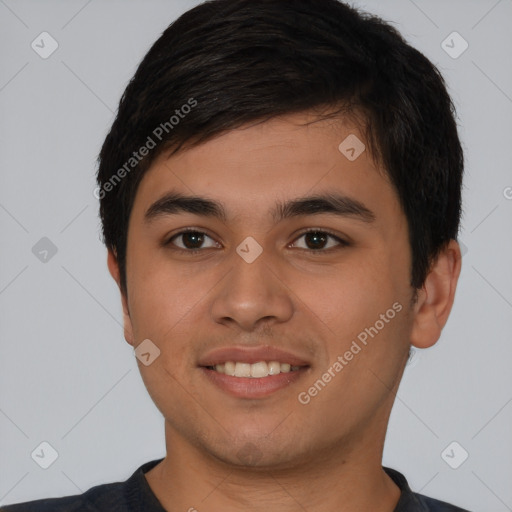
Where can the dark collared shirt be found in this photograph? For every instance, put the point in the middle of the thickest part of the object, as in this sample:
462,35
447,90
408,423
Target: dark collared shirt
135,495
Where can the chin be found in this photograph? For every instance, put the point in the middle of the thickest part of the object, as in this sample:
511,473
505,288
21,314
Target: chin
261,454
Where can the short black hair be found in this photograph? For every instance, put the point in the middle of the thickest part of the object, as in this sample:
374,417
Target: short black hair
227,63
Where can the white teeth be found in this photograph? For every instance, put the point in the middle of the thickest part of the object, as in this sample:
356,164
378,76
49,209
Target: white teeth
256,370
242,370
259,369
229,368
274,368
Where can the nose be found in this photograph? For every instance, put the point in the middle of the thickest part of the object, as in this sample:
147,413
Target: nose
252,295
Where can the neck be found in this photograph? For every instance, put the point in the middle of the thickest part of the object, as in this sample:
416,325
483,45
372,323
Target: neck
341,480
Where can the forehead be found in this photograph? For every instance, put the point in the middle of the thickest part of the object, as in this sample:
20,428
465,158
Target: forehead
285,157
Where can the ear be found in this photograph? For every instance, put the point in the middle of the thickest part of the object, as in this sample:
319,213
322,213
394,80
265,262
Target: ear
113,268
435,299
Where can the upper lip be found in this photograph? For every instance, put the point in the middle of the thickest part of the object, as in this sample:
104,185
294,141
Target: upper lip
251,355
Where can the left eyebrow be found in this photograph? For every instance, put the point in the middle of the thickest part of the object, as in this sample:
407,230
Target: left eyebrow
175,203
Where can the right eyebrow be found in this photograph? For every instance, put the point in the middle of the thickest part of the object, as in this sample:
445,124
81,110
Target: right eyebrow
174,203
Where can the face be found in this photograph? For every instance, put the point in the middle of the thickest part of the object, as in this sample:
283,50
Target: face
334,302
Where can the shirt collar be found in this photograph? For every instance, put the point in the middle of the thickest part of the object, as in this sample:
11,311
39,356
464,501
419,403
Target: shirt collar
147,500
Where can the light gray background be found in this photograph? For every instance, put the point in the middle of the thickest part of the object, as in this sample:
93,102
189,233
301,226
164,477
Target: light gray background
66,374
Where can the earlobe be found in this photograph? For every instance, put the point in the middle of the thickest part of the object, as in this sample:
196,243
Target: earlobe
435,299
113,268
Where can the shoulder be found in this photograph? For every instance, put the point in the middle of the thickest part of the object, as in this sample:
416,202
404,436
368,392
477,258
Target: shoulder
102,497
414,502
130,495
433,505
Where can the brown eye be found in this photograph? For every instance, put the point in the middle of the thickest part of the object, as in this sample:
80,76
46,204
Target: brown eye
316,240
191,240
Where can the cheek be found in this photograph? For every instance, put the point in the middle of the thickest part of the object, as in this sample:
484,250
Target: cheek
348,298
360,308
160,293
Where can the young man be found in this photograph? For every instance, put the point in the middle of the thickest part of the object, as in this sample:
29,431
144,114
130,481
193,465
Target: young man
280,196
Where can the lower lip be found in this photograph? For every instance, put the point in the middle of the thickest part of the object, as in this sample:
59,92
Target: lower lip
250,387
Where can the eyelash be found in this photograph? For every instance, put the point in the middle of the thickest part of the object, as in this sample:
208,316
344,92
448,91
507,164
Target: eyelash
342,243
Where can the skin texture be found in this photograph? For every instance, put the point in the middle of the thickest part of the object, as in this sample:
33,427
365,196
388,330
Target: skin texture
320,456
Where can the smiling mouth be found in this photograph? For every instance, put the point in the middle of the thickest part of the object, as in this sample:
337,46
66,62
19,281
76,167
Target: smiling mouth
256,370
